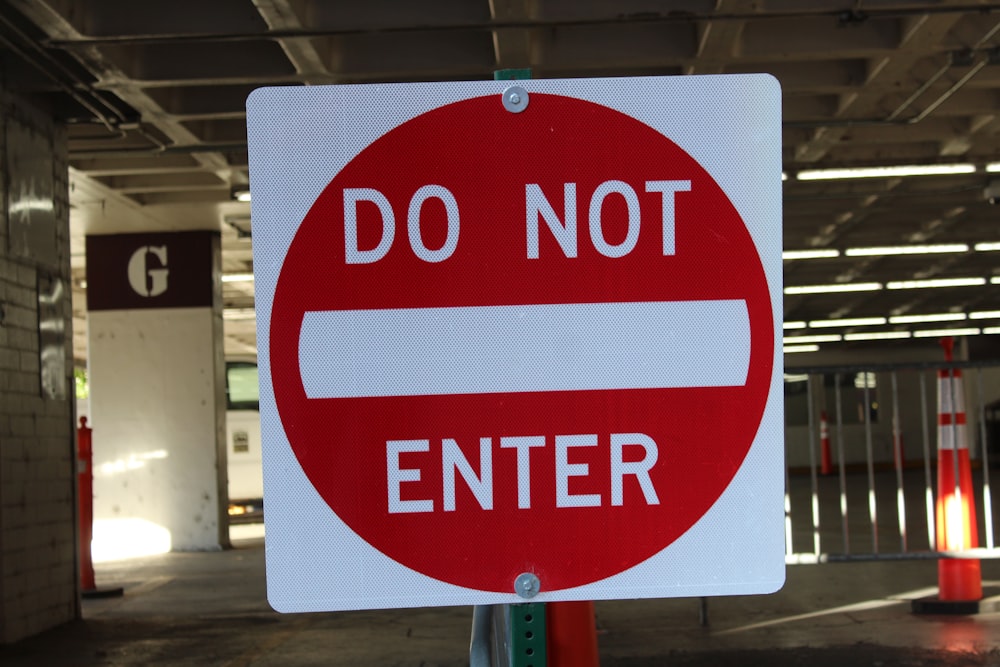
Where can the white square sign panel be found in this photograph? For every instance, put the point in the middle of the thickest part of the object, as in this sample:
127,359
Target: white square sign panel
519,340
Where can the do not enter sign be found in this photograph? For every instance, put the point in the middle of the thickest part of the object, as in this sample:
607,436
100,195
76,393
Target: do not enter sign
519,333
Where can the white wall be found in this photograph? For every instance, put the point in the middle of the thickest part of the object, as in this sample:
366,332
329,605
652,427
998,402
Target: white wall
154,400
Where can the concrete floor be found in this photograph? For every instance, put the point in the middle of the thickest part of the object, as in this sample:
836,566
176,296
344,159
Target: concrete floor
191,609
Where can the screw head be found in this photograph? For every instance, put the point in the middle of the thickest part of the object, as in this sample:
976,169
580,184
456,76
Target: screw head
527,585
515,99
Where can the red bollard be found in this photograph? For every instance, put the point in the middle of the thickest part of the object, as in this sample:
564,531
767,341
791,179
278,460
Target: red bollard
85,499
85,493
572,634
826,464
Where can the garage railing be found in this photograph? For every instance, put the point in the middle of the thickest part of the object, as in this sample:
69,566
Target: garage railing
862,485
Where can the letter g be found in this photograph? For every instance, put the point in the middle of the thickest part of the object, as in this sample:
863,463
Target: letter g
144,280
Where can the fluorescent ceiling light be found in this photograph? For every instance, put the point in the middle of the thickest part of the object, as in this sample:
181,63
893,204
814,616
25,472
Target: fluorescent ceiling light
238,314
793,325
796,377
801,348
984,315
831,289
907,250
934,317
886,172
995,280
796,340
991,330
237,278
877,335
935,333
241,195
935,282
993,167
848,322
810,254
987,247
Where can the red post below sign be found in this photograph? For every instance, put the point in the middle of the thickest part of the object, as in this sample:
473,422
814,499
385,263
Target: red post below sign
85,504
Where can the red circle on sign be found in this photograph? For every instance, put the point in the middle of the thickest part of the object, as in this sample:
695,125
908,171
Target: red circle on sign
485,156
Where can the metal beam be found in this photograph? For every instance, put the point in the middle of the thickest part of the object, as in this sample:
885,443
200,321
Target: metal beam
281,16
512,47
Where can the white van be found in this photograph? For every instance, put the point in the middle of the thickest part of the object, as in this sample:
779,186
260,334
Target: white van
245,468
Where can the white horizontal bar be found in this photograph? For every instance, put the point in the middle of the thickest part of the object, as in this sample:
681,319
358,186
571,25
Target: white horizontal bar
833,289
886,172
819,253
792,349
882,251
531,348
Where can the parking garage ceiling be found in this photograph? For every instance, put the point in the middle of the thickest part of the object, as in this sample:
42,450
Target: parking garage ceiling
153,95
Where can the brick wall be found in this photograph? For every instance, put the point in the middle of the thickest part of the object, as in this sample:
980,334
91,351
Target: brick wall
38,580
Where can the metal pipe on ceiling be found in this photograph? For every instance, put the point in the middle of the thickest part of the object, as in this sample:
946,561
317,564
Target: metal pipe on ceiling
69,90
924,87
893,118
952,61
990,57
675,17
48,66
958,85
181,149
843,16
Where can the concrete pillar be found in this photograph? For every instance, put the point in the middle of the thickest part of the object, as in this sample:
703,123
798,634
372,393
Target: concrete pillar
38,572
157,391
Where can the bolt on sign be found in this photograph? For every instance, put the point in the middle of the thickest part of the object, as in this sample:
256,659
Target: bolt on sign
519,340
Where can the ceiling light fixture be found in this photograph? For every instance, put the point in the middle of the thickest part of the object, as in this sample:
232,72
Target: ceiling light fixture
907,250
935,333
933,317
241,194
810,254
238,314
877,335
796,340
935,282
984,315
794,324
991,330
237,278
847,322
792,349
987,247
886,172
995,280
833,289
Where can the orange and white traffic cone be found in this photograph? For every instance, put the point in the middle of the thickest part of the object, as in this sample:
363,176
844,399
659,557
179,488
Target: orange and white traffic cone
826,463
572,634
960,585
